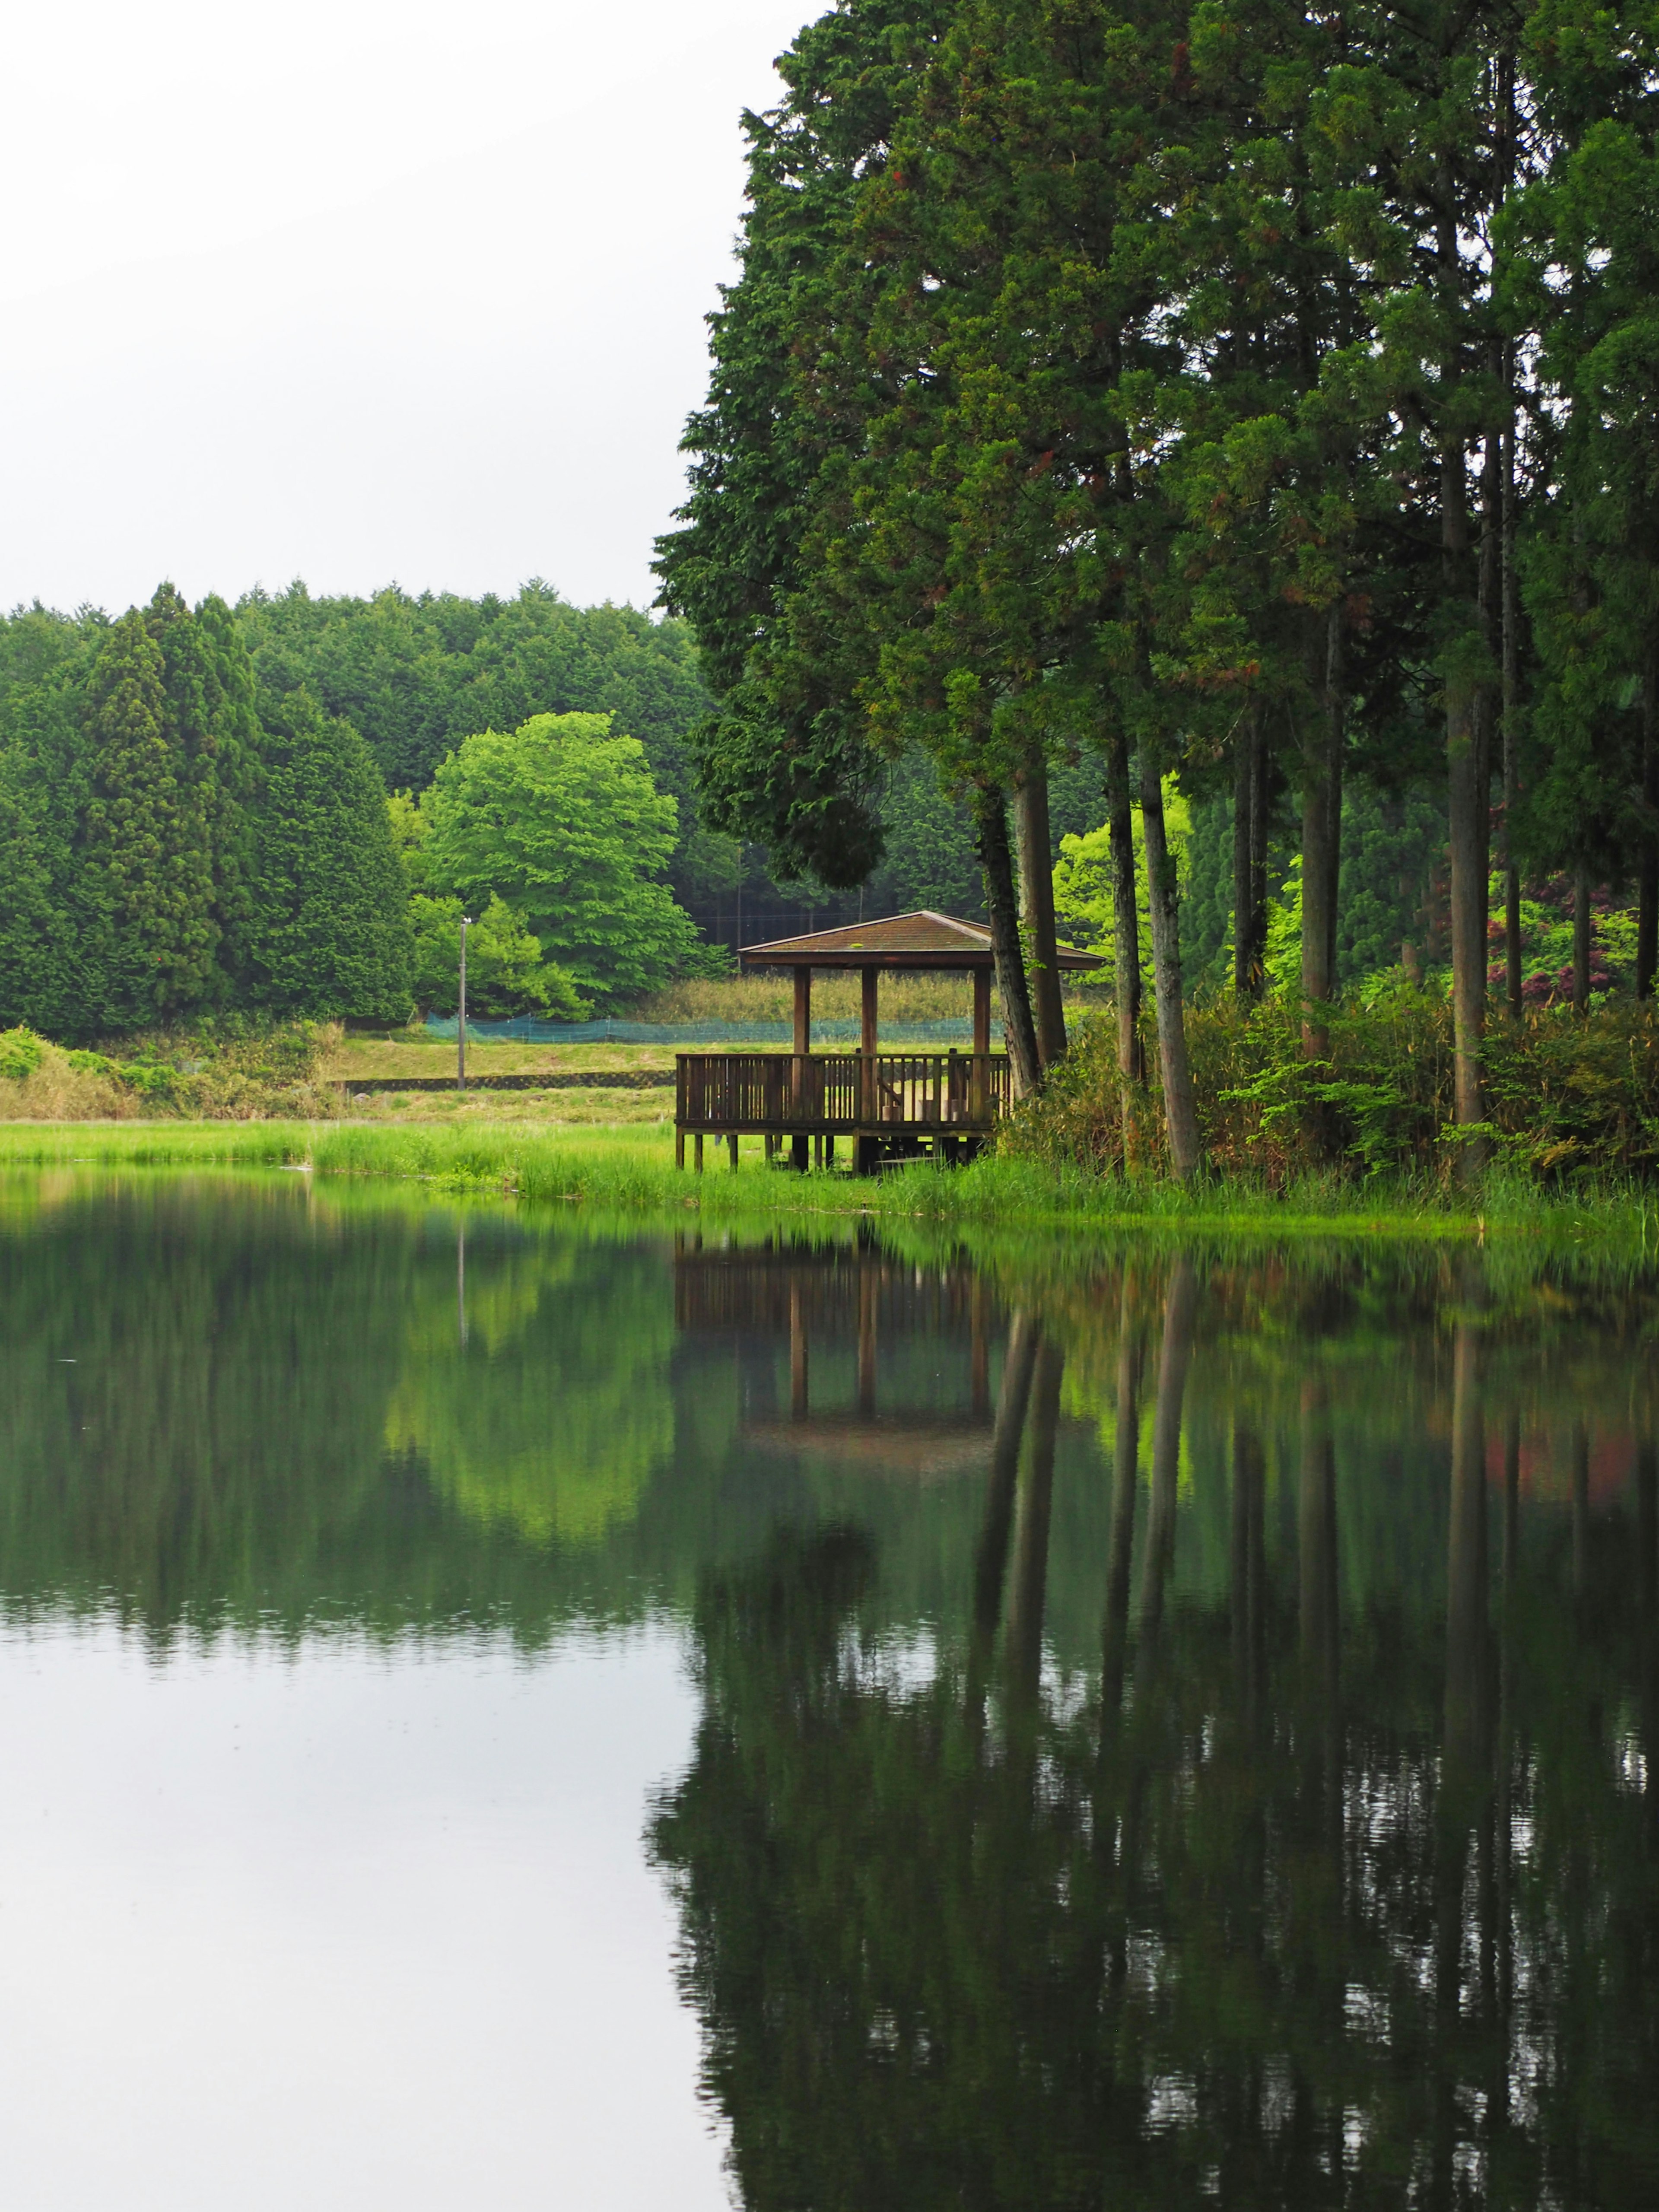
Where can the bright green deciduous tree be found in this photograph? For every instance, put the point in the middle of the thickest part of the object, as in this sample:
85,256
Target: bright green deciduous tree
330,928
506,973
562,819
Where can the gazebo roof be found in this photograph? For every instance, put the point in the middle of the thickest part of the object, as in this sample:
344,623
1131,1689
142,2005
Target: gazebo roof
923,939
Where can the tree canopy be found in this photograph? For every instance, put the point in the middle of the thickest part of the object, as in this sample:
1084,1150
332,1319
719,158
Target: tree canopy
561,820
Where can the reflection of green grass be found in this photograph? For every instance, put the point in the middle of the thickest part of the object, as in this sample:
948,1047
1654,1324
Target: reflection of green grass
631,1171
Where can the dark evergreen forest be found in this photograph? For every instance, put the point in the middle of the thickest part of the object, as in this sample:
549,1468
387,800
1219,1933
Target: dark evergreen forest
1259,403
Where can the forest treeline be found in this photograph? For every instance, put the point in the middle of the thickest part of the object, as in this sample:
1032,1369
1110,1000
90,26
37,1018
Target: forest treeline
1254,401
191,804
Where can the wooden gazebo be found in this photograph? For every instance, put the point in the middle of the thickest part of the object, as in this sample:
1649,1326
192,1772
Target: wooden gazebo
889,1105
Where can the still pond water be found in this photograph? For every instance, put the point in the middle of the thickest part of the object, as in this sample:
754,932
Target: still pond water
496,1714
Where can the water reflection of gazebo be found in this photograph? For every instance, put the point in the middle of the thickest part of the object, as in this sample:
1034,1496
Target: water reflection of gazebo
807,1297
891,1105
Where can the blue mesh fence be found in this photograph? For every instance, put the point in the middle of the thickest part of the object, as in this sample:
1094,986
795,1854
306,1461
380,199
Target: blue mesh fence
896,1037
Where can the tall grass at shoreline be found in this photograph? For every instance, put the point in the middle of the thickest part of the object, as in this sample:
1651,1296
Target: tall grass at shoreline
631,1172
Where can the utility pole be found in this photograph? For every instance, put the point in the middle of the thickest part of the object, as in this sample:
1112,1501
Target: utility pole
460,1024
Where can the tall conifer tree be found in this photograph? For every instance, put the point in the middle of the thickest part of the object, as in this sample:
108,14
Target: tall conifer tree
146,844
329,930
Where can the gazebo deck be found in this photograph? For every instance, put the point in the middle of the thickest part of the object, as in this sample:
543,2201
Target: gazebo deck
896,1104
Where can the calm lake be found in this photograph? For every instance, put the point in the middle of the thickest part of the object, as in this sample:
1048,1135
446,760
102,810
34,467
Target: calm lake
498,1710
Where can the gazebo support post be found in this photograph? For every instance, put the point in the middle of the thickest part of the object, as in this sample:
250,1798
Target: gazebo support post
802,1071
870,978
981,1076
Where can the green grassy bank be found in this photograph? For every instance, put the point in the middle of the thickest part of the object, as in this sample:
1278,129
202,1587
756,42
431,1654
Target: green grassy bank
632,1171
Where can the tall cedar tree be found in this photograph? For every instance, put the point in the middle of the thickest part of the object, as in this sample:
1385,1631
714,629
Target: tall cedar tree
787,759
1583,274
328,930
148,844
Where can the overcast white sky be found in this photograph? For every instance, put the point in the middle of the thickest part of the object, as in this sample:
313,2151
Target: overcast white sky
361,291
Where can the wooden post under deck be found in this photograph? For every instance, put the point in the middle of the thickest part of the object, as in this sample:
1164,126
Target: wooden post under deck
803,1047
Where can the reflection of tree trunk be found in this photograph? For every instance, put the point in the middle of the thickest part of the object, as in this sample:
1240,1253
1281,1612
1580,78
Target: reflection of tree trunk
1461,1777
979,1361
990,1562
1580,1509
798,1352
1178,1307
1125,1480
1316,1549
1316,1527
1030,1584
1505,1754
1037,882
1466,1566
869,1298
1248,1573
1316,1534
1647,1586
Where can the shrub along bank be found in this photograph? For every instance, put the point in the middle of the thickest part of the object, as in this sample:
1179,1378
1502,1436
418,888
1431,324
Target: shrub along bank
203,1075
1568,1096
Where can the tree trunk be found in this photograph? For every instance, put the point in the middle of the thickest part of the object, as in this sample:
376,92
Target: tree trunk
1511,706
1647,879
1581,942
1322,842
1038,885
997,864
1180,1111
1467,800
1250,857
1126,927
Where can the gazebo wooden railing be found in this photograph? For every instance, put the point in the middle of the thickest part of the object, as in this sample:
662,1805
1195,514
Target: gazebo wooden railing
889,1100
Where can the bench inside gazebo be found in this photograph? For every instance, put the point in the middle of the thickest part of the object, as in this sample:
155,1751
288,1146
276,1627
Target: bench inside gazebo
887,1105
